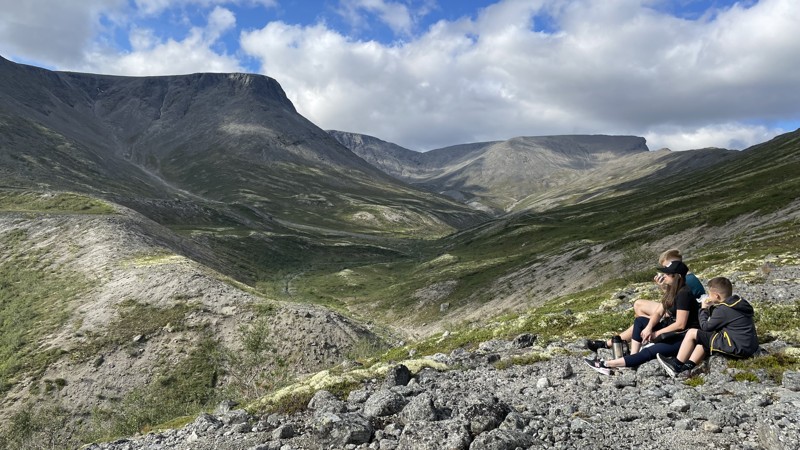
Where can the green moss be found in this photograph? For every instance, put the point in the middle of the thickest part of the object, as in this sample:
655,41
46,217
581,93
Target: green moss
774,364
777,321
521,360
746,376
290,404
695,381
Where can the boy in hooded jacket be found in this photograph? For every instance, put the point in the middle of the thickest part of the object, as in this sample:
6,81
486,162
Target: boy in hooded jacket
726,327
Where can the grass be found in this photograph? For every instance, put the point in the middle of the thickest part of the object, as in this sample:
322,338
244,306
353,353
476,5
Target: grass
52,202
774,365
521,360
134,319
36,298
178,392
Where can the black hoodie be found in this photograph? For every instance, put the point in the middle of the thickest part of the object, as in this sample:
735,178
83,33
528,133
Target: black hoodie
735,330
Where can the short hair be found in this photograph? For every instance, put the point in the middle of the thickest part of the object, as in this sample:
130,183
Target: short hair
672,254
721,285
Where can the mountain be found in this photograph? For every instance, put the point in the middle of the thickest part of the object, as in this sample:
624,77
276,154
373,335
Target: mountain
170,242
598,230
496,176
230,140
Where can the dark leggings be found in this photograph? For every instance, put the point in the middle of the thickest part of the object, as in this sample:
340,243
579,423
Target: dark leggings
668,347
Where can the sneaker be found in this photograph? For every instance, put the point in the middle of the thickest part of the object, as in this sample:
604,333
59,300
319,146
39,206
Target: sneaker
670,364
595,345
599,365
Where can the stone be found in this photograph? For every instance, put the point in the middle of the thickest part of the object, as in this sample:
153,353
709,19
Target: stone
358,396
267,446
685,424
420,408
523,340
397,376
283,432
501,439
485,416
679,405
388,444
711,427
565,371
384,403
339,430
325,402
235,417
444,434
206,422
791,380
542,383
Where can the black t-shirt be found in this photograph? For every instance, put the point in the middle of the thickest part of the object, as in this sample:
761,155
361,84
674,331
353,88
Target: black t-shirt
686,301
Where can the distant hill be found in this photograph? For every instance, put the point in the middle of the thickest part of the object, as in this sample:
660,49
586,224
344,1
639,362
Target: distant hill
234,139
533,172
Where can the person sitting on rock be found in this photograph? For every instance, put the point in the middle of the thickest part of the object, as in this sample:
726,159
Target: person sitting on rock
664,328
726,327
647,308
692,281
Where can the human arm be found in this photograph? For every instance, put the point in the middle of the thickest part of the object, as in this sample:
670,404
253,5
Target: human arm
681,319
647,332
711,320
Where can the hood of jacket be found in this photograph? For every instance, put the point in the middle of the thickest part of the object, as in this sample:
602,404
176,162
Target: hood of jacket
739,304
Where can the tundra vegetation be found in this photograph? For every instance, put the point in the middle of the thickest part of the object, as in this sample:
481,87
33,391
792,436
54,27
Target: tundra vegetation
287,216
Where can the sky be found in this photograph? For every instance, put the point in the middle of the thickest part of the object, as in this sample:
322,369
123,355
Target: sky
426,74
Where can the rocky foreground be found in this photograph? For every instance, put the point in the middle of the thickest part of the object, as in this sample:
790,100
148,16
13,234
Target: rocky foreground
557,403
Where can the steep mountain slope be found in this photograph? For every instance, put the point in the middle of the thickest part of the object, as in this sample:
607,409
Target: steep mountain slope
230,139
107,316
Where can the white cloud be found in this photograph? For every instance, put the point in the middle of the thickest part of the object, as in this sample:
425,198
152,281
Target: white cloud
396,16
616,66
733,136
607,67
152,7
48,31
151,56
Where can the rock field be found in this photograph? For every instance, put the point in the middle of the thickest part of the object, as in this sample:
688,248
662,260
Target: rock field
557,403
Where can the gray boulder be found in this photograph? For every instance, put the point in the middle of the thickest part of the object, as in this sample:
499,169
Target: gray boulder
501,439
523,340
384,403
339,430
397,376
325,402
485,416
791,380
445,434
420,408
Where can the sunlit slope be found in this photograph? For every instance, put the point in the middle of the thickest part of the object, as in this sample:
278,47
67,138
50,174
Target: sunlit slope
526,258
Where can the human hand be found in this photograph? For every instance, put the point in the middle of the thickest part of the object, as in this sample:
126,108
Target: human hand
647,334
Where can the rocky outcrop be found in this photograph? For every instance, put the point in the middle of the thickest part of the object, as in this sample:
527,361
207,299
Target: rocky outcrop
560,403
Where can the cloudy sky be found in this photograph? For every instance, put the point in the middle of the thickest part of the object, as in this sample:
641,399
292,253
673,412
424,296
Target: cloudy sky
430,73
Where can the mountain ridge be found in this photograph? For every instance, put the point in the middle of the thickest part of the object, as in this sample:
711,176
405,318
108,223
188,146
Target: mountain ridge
203,134
532,172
